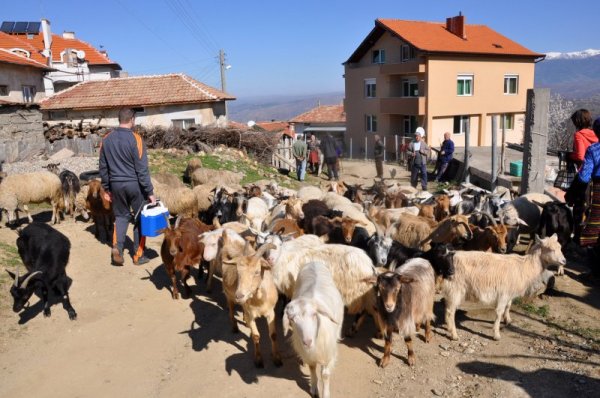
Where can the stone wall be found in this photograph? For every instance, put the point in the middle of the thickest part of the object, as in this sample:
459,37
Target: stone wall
21,133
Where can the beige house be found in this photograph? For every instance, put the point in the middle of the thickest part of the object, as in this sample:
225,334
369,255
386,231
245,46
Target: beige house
445,77
21,79
160,100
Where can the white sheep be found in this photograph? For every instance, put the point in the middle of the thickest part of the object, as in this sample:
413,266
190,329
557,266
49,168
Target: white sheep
315,315
209,176
38,187
497,279
309,192
179,201
204,196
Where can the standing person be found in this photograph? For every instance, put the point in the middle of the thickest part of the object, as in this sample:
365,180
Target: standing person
446,154
125,178
378,153
313,154
590,171
330,154
299,150
583,138
418,152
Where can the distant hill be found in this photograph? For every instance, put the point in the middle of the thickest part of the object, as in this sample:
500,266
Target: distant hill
574,75
278,107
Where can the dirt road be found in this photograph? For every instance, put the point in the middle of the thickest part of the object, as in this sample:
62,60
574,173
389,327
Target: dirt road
131,339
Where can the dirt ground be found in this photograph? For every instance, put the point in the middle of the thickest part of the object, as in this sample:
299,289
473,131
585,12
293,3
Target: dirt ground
131,339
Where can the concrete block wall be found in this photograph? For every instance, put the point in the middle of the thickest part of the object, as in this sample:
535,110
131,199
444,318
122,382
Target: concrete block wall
21,133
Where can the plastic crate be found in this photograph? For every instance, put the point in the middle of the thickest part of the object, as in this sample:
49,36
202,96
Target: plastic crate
516,168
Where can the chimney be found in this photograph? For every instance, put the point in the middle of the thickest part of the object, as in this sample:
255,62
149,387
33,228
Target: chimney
456,26
68,35
47,39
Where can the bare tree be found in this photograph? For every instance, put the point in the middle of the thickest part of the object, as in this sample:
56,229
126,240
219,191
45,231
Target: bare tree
560,128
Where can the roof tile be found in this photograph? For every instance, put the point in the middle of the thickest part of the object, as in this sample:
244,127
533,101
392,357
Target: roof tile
322,114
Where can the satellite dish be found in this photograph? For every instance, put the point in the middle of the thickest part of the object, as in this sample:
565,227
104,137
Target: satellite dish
251,123
80,54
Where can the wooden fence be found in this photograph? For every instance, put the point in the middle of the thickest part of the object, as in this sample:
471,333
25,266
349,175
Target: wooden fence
282,155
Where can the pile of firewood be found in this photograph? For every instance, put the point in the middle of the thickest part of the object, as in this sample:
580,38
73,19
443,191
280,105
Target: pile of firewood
261,144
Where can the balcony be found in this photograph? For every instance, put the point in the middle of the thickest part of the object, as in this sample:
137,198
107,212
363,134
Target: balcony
402,105
404,68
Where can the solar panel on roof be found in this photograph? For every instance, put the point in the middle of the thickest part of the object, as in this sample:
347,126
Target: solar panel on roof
20,27
33,27
7,27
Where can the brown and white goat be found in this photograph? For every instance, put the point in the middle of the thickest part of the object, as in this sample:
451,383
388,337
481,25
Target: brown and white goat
181,250
100,209
247,280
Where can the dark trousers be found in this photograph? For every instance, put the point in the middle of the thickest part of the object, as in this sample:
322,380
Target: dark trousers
332,169
414,175
127,197
442,170
379,167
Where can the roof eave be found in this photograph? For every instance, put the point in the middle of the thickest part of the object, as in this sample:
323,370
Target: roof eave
365,44
483,54
83,108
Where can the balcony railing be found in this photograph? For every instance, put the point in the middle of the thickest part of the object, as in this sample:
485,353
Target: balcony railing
402,105
403,68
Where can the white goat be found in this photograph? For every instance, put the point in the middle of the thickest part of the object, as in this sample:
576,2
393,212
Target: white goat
315,315
256,213
309,192
497,279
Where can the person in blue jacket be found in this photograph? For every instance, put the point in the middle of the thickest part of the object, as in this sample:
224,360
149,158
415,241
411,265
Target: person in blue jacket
446,153
125,177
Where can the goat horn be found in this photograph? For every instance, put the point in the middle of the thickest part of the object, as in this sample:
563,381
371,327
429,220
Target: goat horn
216,222
26,281
488,215
17,277
378,228
246,248
177,221
261,250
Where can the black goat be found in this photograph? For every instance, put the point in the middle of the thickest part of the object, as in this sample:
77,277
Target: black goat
440,257
45,253
557,219
70,188
225,207
312,209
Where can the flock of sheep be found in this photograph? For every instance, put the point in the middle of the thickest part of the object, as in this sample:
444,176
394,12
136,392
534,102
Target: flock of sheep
382,251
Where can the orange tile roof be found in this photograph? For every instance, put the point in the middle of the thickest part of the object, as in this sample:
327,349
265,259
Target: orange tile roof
433,36
237,125
273,125
135,91
35,46
322,114
12,58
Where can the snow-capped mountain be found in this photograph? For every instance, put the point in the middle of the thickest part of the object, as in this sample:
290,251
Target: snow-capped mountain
572,75
573,55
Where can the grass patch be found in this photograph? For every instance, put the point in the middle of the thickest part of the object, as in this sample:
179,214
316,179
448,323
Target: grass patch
531,308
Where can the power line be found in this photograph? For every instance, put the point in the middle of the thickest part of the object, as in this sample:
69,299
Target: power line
184,17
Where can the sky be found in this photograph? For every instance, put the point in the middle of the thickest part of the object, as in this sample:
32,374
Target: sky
286,47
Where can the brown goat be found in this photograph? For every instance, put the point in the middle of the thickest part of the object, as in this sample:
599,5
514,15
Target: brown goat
451,230
287,227
442,207
181,250
490,238
100,209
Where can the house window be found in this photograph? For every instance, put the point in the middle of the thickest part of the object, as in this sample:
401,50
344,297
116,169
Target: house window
183,123
378,56
464,85
139,111
370,88
371,123
3,89
410,88
28,93
507,121
69,57
511,84
410,123
407,53
461,124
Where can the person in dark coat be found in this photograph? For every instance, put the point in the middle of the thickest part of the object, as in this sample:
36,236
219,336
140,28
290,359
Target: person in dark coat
446,154
330,154
378,154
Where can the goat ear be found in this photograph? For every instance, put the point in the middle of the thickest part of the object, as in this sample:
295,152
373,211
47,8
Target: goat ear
522,222
538,239
406,279
323,310
264,264
554,237
286,322
371,280
11,274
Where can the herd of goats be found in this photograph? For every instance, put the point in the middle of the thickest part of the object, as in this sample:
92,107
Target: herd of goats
383,251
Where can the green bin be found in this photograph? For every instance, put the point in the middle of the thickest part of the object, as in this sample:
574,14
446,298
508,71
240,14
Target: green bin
516,168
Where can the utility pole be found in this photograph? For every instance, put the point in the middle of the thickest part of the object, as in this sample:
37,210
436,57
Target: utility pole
223,78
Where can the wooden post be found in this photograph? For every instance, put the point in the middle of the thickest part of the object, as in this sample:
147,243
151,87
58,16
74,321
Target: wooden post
384,148
503,147
366,148
396,148
494,173
350,147
466,176
535,141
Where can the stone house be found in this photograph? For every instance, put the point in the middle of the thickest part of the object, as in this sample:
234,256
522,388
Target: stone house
159,100
445,77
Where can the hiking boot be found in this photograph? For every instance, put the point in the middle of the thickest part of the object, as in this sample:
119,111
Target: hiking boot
141,260
117,257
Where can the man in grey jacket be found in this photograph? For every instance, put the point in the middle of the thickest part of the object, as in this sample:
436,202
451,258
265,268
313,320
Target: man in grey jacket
418,152
125,177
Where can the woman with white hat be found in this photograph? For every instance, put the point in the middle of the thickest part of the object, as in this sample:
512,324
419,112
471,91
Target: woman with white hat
418,152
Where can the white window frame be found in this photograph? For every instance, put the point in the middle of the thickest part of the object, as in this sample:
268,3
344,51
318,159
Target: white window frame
464,124
21,52
371,123
465,77
29,93
370,88
507,79
378,56
185,123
